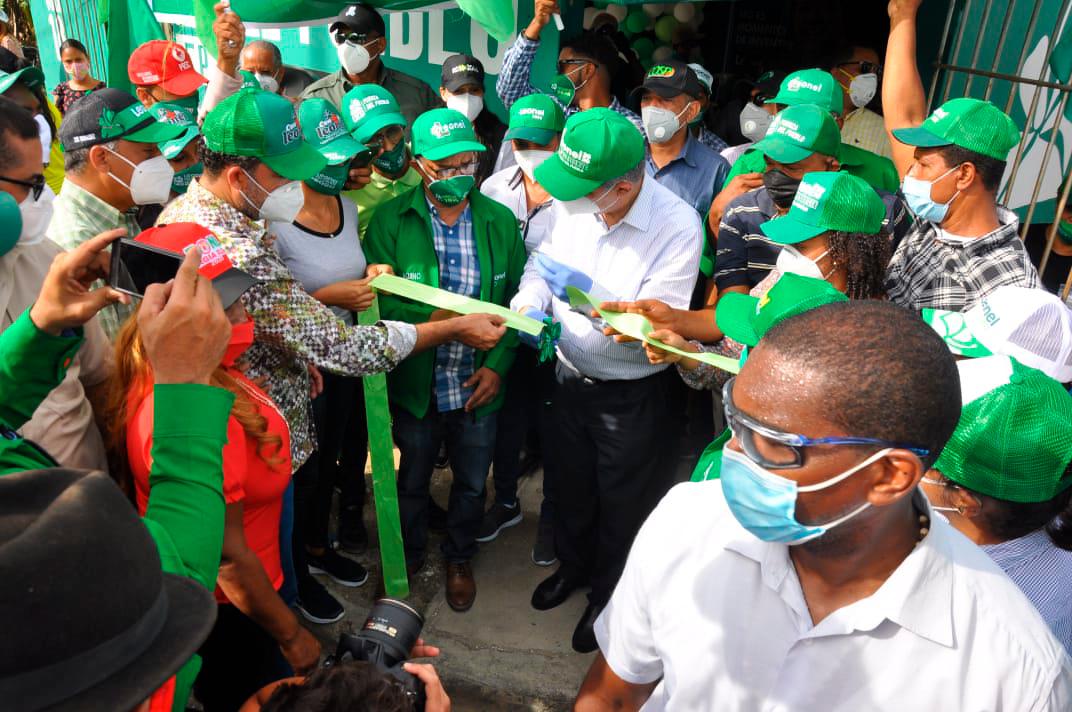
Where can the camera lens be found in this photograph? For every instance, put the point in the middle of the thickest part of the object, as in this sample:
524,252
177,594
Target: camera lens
396,626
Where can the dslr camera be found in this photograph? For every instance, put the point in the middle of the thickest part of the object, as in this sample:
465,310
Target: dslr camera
390,632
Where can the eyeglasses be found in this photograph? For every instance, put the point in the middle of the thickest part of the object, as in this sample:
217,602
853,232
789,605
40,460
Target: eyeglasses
778,450
388,134
35,184
564,64
760,100
465,169
865,67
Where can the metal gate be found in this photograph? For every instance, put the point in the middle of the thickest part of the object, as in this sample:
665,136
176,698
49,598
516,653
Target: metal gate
1018,54
77,19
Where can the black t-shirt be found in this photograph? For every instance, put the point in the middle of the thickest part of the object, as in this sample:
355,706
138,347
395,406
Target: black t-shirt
1058,266
489,131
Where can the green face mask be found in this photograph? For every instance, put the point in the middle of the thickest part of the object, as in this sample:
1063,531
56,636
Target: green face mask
452,191
1064,231
182,179
699,118
563,89
330,180
187,102
391,162
11,216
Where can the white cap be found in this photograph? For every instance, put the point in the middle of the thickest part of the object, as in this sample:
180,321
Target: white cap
704,76
1031,325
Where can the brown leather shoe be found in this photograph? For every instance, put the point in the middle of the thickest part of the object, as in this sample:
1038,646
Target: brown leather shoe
461,586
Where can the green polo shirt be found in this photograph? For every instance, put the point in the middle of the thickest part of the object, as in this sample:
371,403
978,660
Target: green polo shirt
878,171
414,96
380,190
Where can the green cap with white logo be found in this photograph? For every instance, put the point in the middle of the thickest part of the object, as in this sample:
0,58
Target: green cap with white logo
32,77
249,80
828,201
441,133
177,116
367,108
799,131
597,145
537,118
747,319
322,126
256,123
969,123
810,86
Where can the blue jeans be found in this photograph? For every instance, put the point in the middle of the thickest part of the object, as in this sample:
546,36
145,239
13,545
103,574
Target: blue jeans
471,447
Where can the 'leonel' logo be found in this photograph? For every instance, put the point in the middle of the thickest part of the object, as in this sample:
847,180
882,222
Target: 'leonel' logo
536,114
329,127
441,130
291,133
577,160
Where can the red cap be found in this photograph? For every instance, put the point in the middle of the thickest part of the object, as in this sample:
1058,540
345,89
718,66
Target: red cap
178,238
164,63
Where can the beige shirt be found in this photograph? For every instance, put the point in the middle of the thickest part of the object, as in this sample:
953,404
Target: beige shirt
63,424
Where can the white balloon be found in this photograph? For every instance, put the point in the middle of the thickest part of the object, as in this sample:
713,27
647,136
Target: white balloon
684,12
618,11
590,15
661,54
654,9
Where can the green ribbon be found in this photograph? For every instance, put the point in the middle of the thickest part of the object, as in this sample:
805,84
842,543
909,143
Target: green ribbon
640,328
384,484
547,330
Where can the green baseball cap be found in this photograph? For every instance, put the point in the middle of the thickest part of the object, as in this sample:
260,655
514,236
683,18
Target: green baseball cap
597,145
177,116
367,108
825,201
747,319
441,133
323,127
810,86
954,330
537,118
32,77
256,123
249,80
969,123
799,131
1013,441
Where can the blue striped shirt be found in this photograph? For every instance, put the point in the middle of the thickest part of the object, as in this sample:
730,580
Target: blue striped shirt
695,176
1044,573
459,272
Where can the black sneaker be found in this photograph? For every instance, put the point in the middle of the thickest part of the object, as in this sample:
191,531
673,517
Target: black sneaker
499,517
543,552
344,571
437,516
353,537
316,604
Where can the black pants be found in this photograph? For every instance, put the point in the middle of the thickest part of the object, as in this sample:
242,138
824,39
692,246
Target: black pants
342,445
238,659
519,421
611,469
305,486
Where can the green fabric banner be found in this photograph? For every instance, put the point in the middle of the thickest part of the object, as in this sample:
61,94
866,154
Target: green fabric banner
384,484
128,23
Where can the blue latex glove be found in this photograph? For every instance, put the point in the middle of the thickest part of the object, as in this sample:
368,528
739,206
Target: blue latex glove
559,276
529,339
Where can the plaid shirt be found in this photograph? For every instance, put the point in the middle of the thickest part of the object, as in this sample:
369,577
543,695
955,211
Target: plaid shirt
292,329
459,272
515,81
866,129
79,215
712,140
928,272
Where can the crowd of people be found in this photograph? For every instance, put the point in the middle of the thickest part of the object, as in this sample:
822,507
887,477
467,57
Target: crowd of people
889,465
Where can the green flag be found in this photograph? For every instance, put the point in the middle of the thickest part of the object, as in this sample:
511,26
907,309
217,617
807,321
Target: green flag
127,24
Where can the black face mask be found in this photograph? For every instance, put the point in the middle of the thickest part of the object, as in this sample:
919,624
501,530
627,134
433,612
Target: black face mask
782,188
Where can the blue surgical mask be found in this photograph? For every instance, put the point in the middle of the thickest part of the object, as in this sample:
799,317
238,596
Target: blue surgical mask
765,503
917,193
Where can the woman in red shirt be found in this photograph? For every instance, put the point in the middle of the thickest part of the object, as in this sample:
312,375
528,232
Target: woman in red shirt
257,638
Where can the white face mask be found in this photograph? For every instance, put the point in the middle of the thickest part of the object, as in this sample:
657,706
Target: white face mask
790,260
754,122
527,161
354,58
267,81
36,215
150,183
282,204
45,134
660,124
862,89
469,104
589,206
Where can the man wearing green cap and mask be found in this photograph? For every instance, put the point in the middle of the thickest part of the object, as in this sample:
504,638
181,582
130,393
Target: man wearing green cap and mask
114,165
964,244
373,117
255,160
445,234
181,152
619,234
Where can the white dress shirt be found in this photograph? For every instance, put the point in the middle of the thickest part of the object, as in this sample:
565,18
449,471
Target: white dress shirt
652,253
508,187
719,617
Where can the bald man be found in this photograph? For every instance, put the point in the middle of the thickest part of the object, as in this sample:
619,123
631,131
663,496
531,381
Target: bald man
265,61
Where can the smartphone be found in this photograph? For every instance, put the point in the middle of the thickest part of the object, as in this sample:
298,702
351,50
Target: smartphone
362,159
135,266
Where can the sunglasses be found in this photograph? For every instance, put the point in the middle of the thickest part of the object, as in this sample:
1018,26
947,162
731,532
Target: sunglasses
36,184
775,449
353,38
865,67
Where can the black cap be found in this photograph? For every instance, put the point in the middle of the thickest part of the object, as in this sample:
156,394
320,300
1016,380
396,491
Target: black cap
671,78
768,83
90,621
109,115
460,70
359,18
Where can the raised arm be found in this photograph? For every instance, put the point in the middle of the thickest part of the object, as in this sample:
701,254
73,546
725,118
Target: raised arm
515,77
904,101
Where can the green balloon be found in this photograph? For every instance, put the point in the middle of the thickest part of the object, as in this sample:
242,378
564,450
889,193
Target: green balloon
665,27
636,21
643,46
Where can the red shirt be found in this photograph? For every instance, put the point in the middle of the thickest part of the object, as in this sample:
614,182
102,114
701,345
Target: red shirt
247,477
